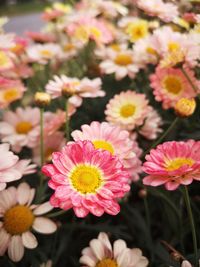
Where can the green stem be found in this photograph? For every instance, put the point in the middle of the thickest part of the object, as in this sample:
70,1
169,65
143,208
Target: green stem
67,121
161,137
57,213
41,136
189,210
189,80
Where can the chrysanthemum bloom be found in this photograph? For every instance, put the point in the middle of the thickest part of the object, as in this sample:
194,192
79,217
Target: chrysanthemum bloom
121,62
20,128
10,90
11,168
53,142
165,11
101,253
151,127
86,179
44,53
170,84
76,88
19,217
56,11
41,37
173,163
185,107
115,140
128,110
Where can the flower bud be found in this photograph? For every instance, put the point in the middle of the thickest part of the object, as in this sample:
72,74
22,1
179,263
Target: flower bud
185,107
42,99
142,193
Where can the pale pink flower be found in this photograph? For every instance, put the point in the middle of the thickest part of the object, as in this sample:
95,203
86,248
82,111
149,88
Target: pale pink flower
20,128
11,168
41,37
75,87
165,11
10,90
173,164
86,179
170,84
101,253
6,40
115,140
20,44
120,61
127,109
6,60
19,217
53,142
43,53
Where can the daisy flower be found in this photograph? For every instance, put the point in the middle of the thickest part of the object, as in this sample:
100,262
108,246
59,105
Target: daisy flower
42,53
173,164
20,128
18,218
128,110
101,253
75,87
86,179
111,138
120,62
10,90
151,127
170,84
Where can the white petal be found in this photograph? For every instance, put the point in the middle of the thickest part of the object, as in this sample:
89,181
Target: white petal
29,240
87,261
16,248
4,241
118,246
43,208
44,225
97,248
143,262
23,193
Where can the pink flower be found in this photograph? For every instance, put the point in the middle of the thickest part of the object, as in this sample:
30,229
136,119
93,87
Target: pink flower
151,127
20,128
19,217
173,163
86,179
170,84
41,37
128,110
10,90
75,87
101,253
115,140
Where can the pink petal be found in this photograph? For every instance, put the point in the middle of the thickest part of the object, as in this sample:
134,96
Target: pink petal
44,225
16,248
80,212
118,247
23,193
29,240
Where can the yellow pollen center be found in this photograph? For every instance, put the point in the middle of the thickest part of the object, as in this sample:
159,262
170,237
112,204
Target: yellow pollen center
151,51
68,47
123,59
46,53
3,59
173,46
23,127
172,84
137,30
11,94
107,263
86,179
175,164
101,144
18,220
127,110
115,47
95,32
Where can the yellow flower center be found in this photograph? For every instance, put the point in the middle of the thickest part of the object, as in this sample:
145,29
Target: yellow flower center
11,94
151,51
127,110
115,47
3,59
23,127
172,84
48,154
86,179
46,53
82,33
173,46
123,59
68,47
137,30
103,145
18,220
107,263
95,32
175,164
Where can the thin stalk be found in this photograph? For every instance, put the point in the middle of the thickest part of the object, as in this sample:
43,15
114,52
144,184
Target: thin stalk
161,137
191,218
189,80
67,121
57,213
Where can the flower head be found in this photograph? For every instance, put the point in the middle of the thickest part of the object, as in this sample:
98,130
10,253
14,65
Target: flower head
128,110
173,163
100,253
185,107
86,179
18,218
115,140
